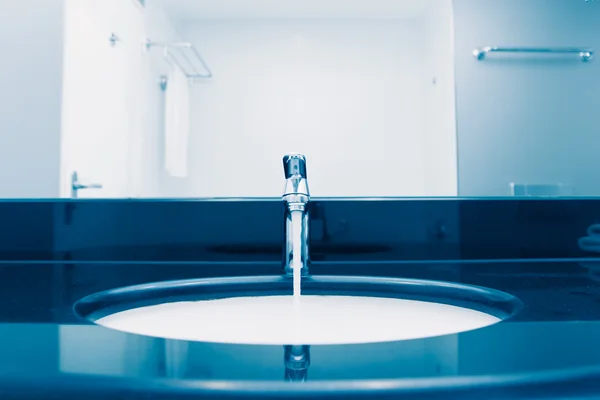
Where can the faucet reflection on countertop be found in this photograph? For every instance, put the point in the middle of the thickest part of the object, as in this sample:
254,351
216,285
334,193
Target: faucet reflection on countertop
296,360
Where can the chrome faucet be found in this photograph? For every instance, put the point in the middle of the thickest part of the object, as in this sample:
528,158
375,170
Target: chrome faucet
297,361
295,197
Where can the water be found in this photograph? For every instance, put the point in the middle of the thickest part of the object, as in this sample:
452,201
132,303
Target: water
297,252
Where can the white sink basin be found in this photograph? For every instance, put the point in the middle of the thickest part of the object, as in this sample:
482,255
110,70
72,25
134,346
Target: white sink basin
334,310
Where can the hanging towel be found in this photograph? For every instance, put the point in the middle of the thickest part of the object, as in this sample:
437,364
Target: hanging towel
177,122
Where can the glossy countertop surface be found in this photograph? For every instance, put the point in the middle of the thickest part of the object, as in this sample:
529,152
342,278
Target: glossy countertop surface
242,230
550,349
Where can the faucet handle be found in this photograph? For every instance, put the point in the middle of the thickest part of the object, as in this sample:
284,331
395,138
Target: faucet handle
294,164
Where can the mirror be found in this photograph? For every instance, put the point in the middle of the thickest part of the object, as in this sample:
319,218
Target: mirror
202,98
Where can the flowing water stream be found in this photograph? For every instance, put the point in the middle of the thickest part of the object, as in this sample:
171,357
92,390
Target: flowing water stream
297,253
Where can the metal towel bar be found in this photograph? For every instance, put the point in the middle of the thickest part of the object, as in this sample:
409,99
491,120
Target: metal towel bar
187,58
585,54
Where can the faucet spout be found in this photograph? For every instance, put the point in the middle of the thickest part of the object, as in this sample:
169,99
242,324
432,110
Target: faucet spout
294,164
296,184
295,198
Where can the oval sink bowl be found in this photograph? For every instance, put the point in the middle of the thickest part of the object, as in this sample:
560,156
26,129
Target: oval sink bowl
331,310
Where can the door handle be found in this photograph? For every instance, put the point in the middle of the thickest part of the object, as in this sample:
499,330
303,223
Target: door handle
76,185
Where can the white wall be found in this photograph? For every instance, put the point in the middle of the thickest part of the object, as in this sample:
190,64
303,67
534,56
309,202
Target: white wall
527,119
31,36
439,135
126,103
32,33
347,93
156,182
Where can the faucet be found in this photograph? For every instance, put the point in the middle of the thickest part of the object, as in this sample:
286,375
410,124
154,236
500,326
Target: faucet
297,361
295,198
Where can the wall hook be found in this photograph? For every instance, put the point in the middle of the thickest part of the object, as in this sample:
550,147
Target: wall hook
164,81
113,39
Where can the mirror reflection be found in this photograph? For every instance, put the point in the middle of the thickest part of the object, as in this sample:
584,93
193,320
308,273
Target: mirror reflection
202,98
297,361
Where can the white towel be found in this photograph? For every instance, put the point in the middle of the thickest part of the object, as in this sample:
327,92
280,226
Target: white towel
177,122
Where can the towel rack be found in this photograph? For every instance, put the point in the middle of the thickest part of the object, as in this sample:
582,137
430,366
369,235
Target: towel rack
585,54
184,55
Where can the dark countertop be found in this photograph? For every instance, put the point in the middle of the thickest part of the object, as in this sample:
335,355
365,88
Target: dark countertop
233,230
550,349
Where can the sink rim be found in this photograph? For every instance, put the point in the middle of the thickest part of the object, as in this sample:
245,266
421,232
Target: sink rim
496,303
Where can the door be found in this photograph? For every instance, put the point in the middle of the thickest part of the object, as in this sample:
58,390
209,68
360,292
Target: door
96,119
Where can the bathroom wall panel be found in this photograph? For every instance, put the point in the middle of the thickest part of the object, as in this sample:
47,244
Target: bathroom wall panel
527,118
31,38
348,93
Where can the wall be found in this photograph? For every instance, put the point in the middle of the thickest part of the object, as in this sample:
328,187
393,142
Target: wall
156,182
30,111
130,95
526,119
31,36
347,93
439,134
